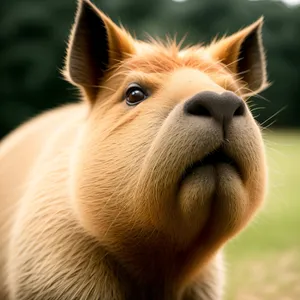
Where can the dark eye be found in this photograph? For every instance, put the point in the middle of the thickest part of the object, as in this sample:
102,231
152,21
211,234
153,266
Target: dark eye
135,94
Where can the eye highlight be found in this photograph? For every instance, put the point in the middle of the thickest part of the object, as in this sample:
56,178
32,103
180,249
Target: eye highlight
135,94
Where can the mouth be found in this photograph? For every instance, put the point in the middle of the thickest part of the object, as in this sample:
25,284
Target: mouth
214,158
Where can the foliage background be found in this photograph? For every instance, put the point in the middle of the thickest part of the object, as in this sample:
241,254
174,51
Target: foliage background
33,36
263,262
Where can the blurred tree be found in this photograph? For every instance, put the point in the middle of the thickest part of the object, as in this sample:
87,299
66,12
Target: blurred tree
33,37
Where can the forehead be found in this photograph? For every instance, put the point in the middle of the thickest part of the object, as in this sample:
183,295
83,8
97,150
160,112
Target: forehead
156,58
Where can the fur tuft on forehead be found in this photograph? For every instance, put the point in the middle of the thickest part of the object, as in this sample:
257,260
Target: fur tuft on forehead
161,57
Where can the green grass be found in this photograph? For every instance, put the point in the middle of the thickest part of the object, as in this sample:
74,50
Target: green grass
264,261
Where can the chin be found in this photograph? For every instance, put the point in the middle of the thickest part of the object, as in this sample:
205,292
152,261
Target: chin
204,187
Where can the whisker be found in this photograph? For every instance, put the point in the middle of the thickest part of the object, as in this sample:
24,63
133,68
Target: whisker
261,97
275,114
269,125
256,108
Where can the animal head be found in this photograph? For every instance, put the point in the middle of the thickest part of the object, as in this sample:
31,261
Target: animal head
169,163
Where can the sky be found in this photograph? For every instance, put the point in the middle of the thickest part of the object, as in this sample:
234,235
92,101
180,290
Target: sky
289,2
292,2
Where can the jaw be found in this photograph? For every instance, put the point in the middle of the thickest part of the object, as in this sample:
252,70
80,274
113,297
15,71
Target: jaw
198,200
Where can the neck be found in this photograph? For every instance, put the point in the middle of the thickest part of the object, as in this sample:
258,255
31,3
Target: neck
156,282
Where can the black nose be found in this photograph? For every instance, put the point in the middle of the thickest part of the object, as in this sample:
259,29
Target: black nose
221,107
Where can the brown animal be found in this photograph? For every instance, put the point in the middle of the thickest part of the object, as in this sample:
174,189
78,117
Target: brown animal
132,192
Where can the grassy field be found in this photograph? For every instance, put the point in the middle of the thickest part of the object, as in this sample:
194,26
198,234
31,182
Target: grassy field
263,263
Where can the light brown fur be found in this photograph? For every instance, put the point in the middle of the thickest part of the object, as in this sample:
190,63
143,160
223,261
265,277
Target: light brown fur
90,201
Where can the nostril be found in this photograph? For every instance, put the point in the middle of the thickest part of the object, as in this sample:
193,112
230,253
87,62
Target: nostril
201,111
197,108
240,111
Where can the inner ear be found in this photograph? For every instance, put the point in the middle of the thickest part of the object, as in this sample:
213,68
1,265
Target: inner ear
88,57
251,63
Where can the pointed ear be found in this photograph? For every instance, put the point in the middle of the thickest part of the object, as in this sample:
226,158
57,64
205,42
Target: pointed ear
243,54
95,45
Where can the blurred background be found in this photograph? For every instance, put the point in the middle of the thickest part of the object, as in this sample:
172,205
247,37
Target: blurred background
263,262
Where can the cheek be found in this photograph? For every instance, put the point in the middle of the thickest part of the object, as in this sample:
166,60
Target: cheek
249,151
105,174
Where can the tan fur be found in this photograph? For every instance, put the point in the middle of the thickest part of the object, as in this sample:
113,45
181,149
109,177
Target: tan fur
90,201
